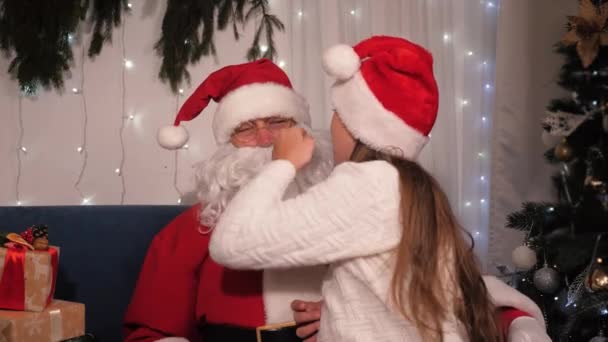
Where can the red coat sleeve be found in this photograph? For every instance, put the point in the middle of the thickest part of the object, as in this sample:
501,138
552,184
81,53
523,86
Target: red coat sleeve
164,300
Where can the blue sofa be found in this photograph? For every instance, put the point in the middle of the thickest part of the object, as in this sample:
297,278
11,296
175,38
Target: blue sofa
102,250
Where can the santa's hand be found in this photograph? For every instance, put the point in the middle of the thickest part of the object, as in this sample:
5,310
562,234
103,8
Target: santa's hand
527,329
294,145
307,316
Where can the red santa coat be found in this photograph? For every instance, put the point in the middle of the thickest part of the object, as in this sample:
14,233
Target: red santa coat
180,286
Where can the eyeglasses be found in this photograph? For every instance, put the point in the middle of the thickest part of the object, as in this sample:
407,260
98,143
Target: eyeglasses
249,130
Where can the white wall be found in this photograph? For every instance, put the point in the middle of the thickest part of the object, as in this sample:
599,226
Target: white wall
526,80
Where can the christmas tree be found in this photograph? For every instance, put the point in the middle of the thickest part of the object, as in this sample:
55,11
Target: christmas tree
563,262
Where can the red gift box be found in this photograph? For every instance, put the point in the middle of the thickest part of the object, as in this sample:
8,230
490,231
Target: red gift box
27,278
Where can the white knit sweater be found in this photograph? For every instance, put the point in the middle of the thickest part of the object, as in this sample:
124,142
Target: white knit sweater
350,221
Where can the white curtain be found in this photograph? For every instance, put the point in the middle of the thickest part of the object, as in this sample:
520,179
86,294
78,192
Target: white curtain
131,103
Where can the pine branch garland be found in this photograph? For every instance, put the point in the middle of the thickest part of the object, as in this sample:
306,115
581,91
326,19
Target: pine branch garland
225,13
35,34
268,24
258,8
240,10
105,16
272,23
183,21
179,43
254,51
207,45
37,41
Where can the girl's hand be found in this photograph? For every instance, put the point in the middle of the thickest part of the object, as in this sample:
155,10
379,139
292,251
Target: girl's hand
295,145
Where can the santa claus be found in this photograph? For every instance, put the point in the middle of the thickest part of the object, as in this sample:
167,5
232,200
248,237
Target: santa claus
182,294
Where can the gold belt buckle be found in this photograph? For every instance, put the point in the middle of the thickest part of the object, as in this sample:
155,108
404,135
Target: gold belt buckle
270,327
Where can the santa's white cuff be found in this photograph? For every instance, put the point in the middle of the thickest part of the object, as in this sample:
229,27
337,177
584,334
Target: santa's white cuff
527,329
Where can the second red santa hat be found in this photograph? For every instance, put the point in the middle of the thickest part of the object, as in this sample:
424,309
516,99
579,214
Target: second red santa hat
385,93
243,92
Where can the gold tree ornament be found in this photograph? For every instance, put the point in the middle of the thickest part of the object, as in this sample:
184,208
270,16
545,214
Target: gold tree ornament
563,151
588,30
597,278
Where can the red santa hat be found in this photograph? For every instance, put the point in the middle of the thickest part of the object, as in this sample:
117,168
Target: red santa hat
243,92
385,93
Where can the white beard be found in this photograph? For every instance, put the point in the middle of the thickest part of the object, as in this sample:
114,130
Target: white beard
220,177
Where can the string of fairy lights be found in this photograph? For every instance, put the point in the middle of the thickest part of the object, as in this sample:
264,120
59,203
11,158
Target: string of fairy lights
82,148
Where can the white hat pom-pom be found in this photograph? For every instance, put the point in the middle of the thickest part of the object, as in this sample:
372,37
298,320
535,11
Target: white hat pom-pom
172,137
341,61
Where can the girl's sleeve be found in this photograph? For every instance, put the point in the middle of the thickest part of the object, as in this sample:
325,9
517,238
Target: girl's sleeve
351,214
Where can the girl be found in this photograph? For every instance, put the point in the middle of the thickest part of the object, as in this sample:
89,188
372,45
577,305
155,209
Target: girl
400,268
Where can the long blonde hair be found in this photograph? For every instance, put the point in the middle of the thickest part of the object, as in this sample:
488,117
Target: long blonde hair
429,229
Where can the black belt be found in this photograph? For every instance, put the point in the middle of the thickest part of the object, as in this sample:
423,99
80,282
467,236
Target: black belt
84,338
228,333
